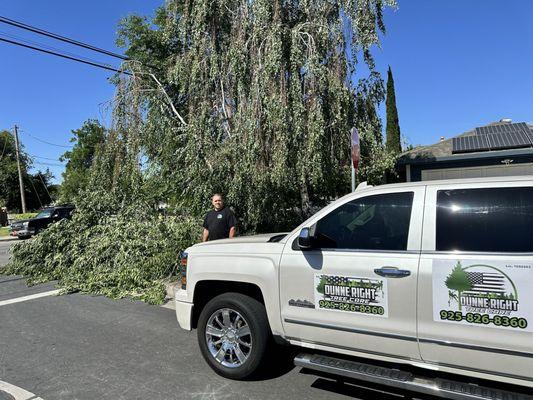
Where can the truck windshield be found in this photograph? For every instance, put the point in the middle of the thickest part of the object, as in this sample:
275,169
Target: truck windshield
44,214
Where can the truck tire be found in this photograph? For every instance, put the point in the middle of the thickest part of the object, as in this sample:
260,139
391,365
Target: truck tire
233,334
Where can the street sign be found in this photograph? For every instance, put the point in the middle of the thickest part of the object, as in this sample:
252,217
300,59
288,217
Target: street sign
356,149
356,154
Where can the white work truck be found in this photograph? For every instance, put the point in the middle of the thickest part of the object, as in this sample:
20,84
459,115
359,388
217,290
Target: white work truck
424,286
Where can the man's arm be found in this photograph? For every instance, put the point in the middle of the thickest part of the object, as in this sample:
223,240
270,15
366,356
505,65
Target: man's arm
205,225
232,221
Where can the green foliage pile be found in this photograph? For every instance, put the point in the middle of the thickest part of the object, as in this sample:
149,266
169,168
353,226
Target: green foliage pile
121,255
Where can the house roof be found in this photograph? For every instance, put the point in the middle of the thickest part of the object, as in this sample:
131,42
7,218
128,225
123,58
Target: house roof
442,151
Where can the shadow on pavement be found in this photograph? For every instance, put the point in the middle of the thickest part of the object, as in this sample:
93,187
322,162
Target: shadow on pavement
355,391
280,361
358,389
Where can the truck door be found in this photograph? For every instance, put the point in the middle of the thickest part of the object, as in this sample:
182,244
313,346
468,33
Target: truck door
355,289
475,300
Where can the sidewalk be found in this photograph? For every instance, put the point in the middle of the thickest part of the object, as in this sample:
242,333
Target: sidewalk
7,238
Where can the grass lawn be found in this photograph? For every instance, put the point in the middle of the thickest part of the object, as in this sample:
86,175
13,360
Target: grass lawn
23,216
4,231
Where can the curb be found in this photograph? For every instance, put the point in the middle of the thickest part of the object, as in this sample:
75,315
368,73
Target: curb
15,392
169,287
169,298
5,396
8,238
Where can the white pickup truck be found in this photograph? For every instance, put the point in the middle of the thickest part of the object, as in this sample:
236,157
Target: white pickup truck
424,286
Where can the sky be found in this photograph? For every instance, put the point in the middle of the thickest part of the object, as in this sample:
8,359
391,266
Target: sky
457,64
47,96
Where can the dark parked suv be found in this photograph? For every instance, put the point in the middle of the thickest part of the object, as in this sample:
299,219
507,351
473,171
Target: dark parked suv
27,228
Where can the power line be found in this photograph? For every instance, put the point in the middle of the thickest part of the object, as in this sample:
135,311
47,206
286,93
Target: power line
33,156
45,188
45,142
45,158
37,193
94,64
47,47
61,38
49,164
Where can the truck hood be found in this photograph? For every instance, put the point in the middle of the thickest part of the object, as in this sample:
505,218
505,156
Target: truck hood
263,238
266,243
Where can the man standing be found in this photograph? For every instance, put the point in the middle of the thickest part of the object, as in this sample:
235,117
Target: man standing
220,222
3,217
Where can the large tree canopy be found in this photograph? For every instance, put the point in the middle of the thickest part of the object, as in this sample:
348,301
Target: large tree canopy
254,99
9,181
37,188
79,160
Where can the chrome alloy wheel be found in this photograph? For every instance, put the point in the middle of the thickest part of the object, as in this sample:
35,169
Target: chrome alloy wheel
228,337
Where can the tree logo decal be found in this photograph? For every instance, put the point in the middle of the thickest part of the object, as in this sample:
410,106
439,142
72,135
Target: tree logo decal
476,284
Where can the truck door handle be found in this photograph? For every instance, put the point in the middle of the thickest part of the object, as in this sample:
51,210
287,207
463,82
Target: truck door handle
392,272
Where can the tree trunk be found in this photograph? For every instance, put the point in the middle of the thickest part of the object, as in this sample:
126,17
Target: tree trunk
306,203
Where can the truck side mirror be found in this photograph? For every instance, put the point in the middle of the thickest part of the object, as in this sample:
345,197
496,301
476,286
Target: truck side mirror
304,239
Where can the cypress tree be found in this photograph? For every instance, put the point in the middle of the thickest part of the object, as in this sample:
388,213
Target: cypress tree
393,124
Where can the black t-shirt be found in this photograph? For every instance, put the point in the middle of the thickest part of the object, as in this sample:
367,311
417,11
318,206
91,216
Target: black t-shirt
219,223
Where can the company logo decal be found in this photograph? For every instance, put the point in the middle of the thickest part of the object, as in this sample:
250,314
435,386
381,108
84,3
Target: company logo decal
482,294
351,294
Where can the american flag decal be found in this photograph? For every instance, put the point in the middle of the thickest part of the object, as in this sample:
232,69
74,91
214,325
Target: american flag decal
487,282
337,280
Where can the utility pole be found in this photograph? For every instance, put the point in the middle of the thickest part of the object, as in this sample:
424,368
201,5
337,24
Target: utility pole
21,182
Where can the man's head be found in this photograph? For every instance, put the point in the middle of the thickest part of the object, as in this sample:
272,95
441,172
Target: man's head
217,201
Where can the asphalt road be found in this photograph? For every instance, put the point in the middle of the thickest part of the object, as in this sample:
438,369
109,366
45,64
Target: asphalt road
4,250
85,347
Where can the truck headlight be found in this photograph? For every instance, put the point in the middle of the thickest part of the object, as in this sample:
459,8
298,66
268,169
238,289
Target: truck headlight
25,224
183,269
